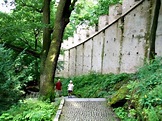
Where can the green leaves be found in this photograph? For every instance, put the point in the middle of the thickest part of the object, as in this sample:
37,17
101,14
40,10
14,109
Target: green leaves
87,12
94,84
31,110
23,26
15,70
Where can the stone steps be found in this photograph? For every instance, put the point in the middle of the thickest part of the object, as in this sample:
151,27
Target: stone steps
86,109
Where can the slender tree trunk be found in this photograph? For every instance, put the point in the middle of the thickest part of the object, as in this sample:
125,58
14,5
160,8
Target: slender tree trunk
154,28
62,19
36,33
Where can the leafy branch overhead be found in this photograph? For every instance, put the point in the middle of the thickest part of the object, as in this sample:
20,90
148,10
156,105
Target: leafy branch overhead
87,12
20,49
32,6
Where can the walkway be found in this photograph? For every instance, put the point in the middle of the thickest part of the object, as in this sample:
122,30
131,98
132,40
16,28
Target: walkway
86,109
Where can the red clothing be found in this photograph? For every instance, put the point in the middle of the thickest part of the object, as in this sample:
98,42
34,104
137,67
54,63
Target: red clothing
58,85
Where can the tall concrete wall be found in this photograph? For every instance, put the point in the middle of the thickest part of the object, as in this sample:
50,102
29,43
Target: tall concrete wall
97,46
79,59
66,60
72,62
134,38
87,58
120,46
112,48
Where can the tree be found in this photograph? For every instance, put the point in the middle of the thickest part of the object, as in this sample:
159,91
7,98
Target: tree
63,13
24,32
46,33
22,28
156,11
20,31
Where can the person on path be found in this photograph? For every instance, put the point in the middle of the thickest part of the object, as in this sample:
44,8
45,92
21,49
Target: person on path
70,88
59,88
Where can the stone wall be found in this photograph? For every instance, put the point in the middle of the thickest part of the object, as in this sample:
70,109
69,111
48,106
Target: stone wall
120,45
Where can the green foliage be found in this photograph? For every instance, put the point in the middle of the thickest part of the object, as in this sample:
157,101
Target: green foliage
8,93
23,26
31,110
87,12
150,114
94,84
151,98
82,13
121,113
145,91
150,77
15,70
21,29
103,6
124,114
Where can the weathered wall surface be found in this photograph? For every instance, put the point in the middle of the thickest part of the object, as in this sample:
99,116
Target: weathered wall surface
103,21
65,73
120,46
87,58
134,38
112,48
72,62
115,12
79,59
127,4
97,46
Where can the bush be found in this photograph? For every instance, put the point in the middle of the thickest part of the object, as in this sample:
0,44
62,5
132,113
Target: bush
94,84
31,110
16,69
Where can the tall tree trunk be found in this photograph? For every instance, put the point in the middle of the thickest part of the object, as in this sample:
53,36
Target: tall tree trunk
46,32
63,13
154,28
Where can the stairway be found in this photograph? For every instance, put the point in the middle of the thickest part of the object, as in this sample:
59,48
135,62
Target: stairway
86,109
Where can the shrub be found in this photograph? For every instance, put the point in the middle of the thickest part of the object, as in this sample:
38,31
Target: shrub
31,110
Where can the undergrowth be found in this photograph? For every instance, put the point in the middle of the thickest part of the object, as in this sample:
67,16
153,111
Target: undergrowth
31,110
95,84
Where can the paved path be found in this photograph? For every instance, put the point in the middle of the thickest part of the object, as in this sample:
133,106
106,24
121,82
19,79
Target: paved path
86,109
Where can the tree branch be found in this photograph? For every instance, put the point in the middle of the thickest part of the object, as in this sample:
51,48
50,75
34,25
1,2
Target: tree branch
154,29
69,7
73,5
19,49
